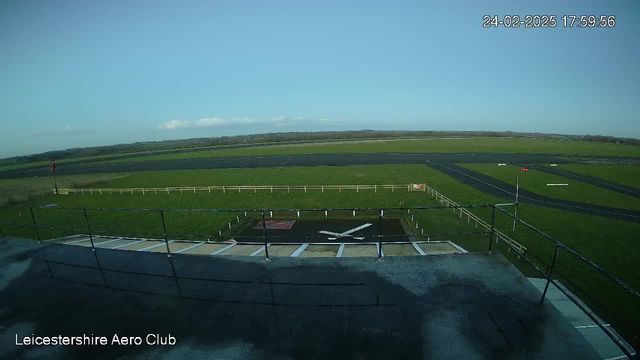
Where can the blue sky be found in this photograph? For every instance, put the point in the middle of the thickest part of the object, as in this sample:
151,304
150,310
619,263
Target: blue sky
85,73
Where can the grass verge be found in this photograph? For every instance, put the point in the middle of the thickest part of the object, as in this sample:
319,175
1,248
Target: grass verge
536,181
622,174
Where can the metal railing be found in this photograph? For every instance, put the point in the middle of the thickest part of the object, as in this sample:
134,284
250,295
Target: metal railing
519,248
548,275
489,228
241,212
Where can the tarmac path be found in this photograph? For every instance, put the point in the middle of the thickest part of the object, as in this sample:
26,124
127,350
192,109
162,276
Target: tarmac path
492,186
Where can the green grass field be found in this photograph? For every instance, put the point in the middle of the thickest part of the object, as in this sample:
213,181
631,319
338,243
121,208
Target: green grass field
609,243
483,145
22,189
622,174
536,181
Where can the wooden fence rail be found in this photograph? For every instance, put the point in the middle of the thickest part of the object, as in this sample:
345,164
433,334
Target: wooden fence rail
511,244
242,188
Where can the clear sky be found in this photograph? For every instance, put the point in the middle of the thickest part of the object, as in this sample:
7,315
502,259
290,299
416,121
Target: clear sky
85,73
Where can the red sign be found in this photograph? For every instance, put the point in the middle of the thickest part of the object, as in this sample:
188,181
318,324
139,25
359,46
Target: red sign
525,169
53,165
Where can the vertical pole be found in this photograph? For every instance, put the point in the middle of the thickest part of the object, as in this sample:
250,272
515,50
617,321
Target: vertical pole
35,226
550,274
515,209
164,230
264,237
379,234
86,218
55,183
493,226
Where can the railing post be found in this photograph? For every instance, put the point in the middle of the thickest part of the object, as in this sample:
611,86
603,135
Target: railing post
35,226
164,230
550,274
264,237
493,226
86,218
379,234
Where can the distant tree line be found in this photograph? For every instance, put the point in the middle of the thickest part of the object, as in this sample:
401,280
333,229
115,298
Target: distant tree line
290,137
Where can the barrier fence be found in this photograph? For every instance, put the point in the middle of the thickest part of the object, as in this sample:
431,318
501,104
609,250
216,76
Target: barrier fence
241,188
494,236
490,229
520,249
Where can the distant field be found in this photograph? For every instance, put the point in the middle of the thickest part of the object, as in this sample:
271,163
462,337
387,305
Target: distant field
16,190
320,175
622,174
484,145
506,145
536,181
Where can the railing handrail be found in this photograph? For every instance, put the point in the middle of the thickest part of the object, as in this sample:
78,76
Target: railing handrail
521,249
575,253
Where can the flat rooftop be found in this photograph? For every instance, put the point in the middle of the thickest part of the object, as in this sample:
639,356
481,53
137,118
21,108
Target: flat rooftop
469,306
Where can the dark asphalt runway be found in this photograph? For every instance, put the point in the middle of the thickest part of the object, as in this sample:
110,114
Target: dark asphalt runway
495,187
310,160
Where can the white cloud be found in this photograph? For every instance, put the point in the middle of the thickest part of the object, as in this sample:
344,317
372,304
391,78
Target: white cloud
204,122
280,120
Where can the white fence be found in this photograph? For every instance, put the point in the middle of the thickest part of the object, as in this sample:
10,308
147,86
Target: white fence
519,248
243,188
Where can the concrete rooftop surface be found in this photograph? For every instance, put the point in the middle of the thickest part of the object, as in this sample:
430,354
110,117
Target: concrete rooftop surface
463,306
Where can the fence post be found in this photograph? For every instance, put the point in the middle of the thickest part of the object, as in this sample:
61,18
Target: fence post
264,237
164,230
35,226
379,234
550,274
493,226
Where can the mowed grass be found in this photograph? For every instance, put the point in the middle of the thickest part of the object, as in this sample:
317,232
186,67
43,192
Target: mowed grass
320,175
609,243
536,181
16,190
622,174
463,145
